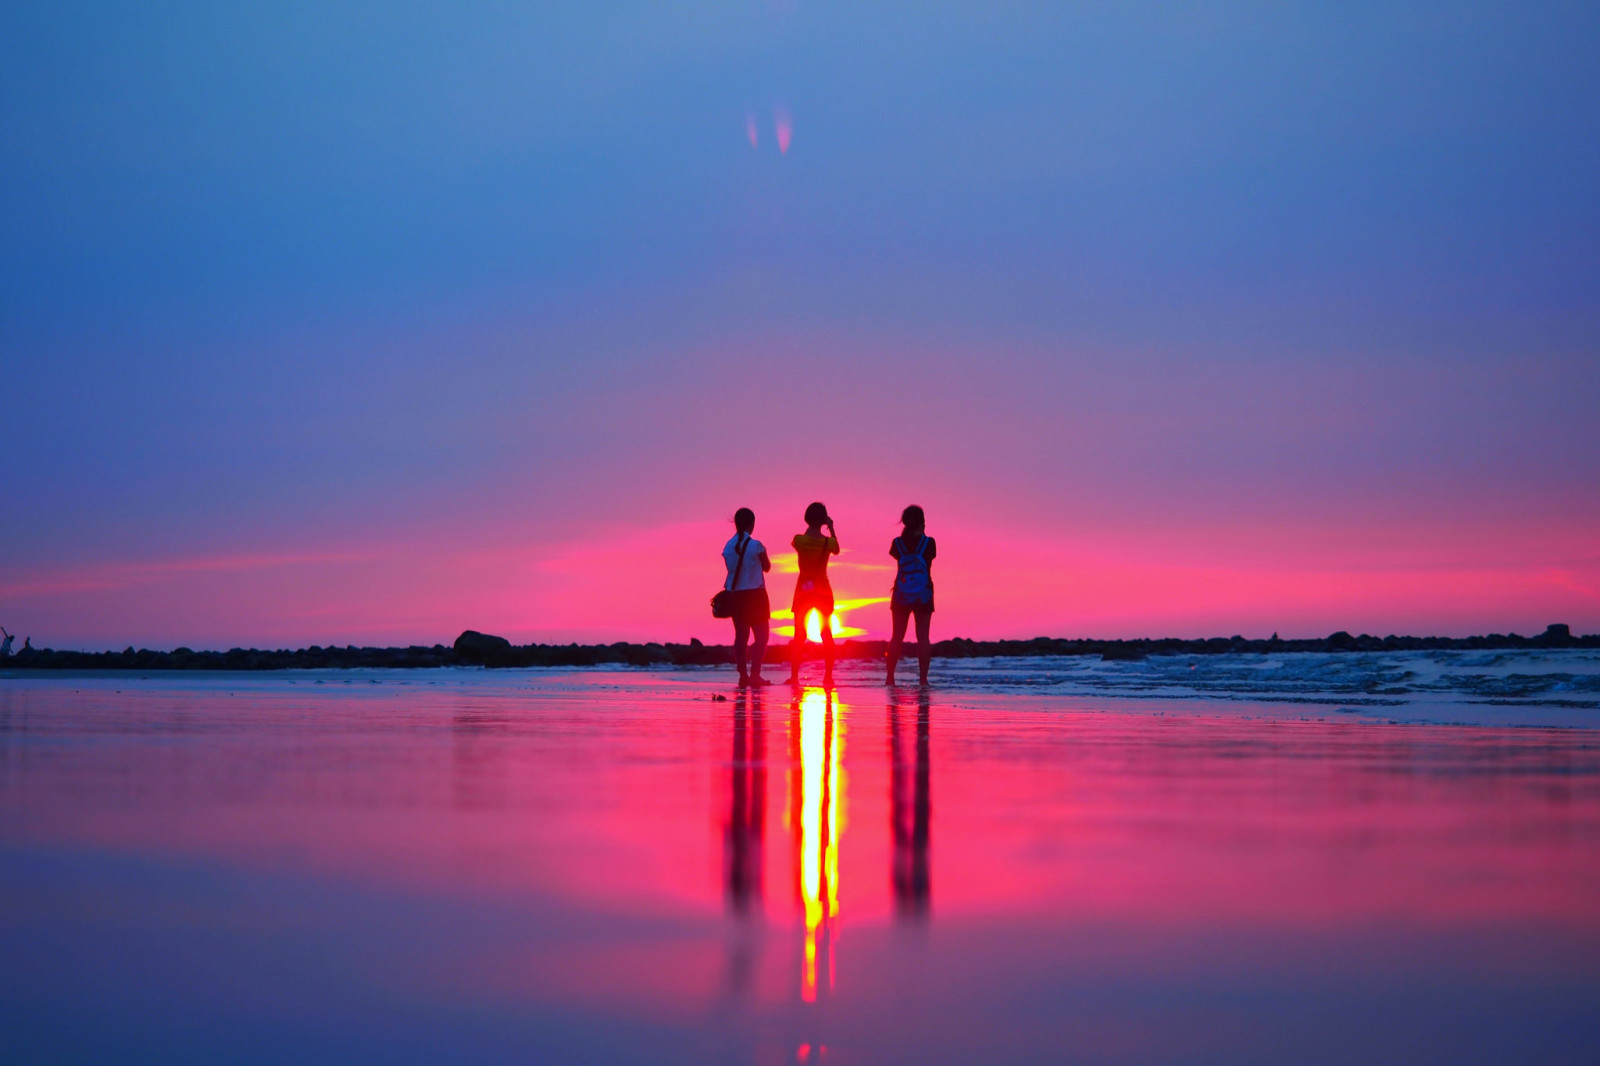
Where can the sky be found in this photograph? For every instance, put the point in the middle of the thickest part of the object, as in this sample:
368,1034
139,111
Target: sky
366,323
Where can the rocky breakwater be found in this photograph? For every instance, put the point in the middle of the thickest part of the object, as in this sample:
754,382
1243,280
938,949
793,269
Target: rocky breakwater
476,649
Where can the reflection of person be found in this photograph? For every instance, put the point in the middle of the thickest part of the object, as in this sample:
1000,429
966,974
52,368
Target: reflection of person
744,830
910,814
5,645
812,592
747,563
913,551
746,825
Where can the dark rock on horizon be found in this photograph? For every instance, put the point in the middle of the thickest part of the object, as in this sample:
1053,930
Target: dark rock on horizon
1557,634
473,646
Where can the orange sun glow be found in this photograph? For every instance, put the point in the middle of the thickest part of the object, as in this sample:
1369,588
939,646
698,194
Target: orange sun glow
839,629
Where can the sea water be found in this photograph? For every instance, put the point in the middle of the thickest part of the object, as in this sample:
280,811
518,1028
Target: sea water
1184,859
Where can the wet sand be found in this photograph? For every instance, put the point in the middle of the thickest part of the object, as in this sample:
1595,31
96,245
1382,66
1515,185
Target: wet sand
1016,866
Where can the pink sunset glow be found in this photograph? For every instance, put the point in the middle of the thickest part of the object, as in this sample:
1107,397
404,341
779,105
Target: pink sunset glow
1082,495
1132,584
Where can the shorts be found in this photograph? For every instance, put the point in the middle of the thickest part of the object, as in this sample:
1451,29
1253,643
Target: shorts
751,606
819,597
910,608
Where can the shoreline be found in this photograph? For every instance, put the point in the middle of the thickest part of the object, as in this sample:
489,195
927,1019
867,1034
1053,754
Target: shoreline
476,649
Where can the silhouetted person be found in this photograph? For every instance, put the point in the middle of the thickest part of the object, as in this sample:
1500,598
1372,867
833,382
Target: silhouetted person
812,592
910,813
913,551
5,645
747,563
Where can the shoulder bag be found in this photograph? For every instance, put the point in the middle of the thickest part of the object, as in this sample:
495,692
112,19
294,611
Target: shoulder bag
722,602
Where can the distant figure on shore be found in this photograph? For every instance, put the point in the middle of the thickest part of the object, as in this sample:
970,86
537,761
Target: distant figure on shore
5,645
913,551
747,563
812,592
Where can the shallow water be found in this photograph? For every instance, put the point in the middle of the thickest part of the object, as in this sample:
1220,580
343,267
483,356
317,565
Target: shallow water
1035,861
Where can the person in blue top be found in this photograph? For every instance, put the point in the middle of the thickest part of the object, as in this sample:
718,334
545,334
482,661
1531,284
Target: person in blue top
913,552
747,563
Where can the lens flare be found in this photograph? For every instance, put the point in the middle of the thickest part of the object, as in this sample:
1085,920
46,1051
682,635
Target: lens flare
785,127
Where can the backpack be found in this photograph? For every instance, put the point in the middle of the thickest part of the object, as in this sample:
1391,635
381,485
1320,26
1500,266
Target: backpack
913,585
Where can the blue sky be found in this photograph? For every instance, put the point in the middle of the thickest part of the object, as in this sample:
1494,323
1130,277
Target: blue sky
280,279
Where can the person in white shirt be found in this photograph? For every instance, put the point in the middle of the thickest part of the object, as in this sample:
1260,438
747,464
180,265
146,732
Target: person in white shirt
747,563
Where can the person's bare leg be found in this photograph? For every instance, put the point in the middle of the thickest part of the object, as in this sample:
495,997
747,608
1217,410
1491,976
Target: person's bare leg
797,649
741,633
924,645
827,654
897,642
759,652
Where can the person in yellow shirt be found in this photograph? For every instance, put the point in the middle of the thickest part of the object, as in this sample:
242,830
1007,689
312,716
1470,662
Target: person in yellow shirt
812,592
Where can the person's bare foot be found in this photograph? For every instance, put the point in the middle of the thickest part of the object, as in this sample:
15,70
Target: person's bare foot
759,682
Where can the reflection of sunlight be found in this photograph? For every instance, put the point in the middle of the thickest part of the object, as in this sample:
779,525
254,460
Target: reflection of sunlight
818,832
813,722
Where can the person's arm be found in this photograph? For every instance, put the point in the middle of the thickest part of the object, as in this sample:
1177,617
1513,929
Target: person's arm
833,539
766,564
894,548
933,550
